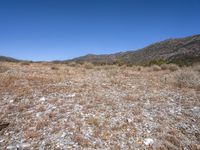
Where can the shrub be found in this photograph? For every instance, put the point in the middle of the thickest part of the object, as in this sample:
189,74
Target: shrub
54,68
173,67
25,63
156,68
164,66
88,66
139,68
188,78
197,67
3,69
72,64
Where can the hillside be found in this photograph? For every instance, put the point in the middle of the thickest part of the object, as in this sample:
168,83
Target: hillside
181,50
9,59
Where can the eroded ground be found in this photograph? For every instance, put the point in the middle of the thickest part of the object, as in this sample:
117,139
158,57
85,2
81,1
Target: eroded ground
63,107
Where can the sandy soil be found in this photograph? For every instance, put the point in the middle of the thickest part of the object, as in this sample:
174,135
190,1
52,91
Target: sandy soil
56,106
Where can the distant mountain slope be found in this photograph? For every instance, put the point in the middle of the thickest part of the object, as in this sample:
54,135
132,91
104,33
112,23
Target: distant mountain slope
3,58
181,50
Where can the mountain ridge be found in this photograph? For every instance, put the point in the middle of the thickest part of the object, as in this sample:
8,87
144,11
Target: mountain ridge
184,50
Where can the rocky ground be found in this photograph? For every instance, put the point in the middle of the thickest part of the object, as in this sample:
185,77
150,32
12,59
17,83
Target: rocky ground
56,106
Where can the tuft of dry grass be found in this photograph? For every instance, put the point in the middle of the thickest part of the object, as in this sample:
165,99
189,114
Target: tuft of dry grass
188,78
42,123
31,134
93,121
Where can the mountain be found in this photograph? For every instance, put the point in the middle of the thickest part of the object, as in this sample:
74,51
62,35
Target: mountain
180,50
3,58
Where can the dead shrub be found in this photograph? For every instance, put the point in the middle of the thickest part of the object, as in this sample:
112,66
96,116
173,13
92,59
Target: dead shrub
155,68
88,66
173,67
188,78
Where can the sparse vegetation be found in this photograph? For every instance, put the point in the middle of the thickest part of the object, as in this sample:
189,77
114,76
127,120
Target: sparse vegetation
188,78
99,107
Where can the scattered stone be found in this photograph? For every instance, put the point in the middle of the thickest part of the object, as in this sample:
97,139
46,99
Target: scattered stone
148,141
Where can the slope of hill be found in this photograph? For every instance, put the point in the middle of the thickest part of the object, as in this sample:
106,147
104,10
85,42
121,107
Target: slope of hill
181,50
3,58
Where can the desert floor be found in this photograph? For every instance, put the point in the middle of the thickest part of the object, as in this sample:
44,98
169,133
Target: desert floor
57,106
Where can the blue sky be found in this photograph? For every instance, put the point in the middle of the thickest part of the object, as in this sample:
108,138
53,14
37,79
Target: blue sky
63,29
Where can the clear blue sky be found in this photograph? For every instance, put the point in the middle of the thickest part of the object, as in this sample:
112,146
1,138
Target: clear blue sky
63,29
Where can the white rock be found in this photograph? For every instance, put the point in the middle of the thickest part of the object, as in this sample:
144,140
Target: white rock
71,95
42,99
11,101
25,145
148,141
63,135
10,147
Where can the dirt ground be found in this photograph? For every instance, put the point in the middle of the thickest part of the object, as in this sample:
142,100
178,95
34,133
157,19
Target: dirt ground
56,106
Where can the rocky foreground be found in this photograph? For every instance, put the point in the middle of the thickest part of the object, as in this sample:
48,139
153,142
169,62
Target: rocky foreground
57,106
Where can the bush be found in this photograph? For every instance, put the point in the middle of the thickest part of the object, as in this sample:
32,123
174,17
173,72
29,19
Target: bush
188,78
173,67
88,66
164,66
3,69
196,68
72,64
156,68
25,63
54,68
